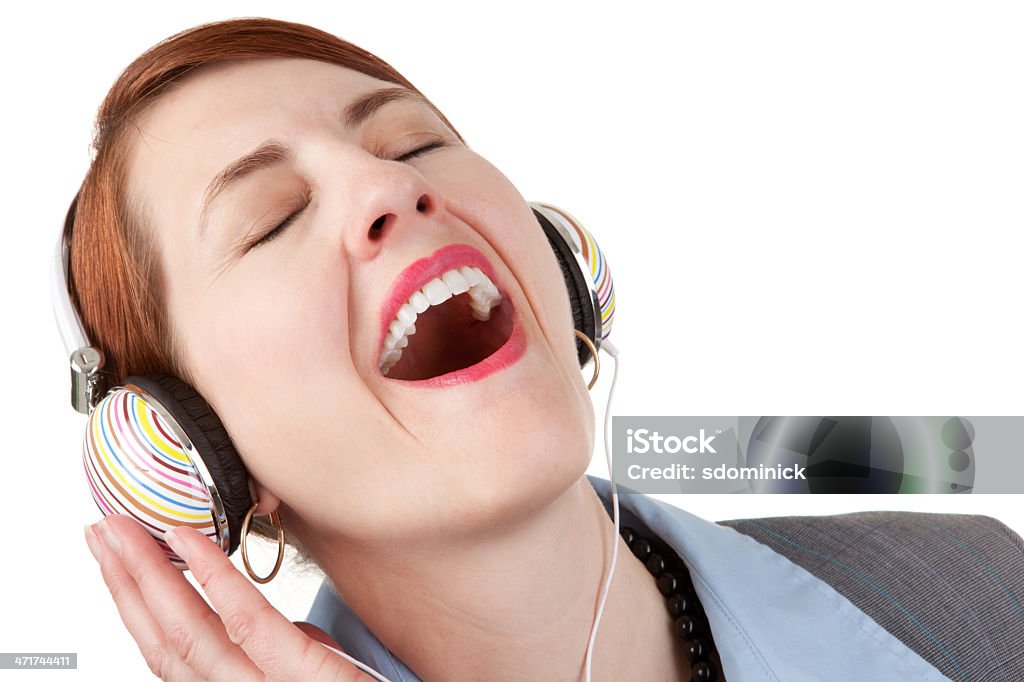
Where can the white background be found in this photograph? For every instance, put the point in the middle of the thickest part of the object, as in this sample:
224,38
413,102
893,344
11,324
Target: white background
808,209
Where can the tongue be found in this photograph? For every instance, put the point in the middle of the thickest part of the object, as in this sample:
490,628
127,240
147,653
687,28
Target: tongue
447,338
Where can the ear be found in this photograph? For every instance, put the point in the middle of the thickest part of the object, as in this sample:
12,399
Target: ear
268,501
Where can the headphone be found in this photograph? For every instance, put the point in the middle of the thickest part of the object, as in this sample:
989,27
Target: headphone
155,450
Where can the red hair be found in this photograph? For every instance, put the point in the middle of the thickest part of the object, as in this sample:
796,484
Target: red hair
115,278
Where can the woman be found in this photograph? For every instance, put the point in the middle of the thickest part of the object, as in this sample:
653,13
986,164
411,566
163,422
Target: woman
252,219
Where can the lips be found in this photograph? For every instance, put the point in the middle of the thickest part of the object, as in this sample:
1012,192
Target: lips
451,347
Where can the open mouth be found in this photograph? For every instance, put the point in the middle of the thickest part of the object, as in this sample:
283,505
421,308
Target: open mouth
452,322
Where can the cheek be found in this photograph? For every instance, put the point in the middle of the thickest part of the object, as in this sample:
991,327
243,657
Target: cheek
255,339
262,353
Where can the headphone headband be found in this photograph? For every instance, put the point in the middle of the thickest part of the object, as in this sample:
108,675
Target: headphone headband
84,360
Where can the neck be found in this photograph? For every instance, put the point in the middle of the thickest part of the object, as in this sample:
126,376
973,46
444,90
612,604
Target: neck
520,602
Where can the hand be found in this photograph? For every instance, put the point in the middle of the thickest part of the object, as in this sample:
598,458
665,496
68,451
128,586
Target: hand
181,637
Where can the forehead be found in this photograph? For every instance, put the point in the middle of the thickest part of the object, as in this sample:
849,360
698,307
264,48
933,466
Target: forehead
238,98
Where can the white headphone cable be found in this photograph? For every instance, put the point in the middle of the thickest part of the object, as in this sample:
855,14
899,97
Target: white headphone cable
614,352
359,664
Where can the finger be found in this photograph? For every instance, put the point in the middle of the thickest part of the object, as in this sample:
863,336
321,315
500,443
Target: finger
194,635
148,635
279,648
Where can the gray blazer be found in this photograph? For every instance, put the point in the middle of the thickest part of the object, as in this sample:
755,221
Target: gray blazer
949,586
871,596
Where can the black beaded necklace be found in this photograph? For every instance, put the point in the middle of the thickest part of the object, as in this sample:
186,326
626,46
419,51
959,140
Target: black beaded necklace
674,582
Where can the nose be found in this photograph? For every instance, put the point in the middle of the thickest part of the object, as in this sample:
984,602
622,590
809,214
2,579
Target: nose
392,196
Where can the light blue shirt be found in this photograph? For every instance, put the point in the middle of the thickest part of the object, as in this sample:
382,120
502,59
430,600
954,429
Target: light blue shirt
772,621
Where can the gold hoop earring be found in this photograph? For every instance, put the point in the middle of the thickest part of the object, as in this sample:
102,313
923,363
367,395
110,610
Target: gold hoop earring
593,353
276,520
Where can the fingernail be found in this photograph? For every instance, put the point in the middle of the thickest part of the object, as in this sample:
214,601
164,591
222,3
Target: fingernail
176,543
93,542
109,536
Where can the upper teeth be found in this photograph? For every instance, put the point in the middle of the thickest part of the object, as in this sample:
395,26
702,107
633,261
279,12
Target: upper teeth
481,290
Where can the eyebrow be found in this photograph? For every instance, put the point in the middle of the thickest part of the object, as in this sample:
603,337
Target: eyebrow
364,106
273,152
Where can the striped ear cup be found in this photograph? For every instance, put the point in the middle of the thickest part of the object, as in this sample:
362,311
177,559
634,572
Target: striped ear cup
588,278
155,450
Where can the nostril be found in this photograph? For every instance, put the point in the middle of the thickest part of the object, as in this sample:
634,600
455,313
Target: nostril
378,227
423,205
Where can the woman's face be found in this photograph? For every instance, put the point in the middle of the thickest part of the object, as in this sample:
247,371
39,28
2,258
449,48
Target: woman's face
284,334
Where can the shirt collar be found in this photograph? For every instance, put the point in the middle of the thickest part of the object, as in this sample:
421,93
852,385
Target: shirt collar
771,619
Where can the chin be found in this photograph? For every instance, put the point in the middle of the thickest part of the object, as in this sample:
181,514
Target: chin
513,471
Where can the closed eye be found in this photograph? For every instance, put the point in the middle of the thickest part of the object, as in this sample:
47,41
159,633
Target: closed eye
422,150
277,231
